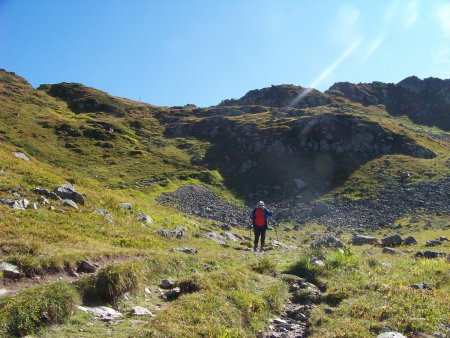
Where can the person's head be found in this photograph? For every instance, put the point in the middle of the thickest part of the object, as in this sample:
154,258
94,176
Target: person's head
260,204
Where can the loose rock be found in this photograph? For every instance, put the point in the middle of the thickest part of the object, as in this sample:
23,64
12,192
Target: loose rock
176,233
172,294
390,241
15,204
46,193
105,313
126,206
328,241
10,271
410,240
67,191
21,155
361,240
421,286
390,251
391,335
429,254
167,283
69,203
86,267
141,311
214,236
144,218
187,250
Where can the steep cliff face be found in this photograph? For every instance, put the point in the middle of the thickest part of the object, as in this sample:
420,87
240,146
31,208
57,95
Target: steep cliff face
281,96
423,101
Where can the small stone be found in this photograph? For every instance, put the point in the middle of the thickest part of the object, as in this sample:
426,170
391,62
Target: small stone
443,239
44,192
105,313
147,291
317,262
87,267
190,251
214,236
433,243
15,204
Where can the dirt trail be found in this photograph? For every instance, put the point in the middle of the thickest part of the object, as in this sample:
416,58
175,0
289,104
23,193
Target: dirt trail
9,286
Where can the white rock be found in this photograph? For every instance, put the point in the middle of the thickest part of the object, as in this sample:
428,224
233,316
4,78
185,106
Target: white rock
21,155
141,311
144,218
391,335
69,203
101,311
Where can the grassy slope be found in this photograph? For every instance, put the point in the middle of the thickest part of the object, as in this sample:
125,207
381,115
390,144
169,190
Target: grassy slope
233,300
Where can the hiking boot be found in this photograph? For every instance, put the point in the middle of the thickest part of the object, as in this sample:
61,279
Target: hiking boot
255,249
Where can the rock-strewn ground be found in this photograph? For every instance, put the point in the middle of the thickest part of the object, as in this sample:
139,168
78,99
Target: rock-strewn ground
200,201
390,205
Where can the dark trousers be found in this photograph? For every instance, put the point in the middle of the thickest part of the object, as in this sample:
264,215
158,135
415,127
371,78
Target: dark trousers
259,232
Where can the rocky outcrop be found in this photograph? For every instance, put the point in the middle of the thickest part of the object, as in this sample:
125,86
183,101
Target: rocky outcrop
424,101
67,191
281,96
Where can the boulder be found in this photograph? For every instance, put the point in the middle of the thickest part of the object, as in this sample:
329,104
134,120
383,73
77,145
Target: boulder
46,193
391,334
20,155
69,203
87,267
320,209
317,261
328,241
299,183
410,240
126,206
67,191
10,271
361,240
141,311
105,313
16,204
144,218
390,251
167,284
390,241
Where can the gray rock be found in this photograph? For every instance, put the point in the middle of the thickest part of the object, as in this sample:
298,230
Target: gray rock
230,236
20,155
318,262
126,206
429,254
15,204
176,233
443,239
299,183
390,251
421,286
67,191
104,312
10,271
172,294
320,209
390,241
3,292
410,240
214,236
69,203
33,206
87,267
141,311
433,243
361,240
44,201
144,218
391,335
44,192
167,284
187,250
328,241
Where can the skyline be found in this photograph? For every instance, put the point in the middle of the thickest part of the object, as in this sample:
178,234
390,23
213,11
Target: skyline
179,52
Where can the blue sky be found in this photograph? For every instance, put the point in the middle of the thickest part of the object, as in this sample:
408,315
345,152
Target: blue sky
174,52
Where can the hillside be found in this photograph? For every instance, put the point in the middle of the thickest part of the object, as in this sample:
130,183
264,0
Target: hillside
149,193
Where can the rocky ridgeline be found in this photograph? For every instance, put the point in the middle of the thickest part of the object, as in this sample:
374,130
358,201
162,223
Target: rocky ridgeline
200,201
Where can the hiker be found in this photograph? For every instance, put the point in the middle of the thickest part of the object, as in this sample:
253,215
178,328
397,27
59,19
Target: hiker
259,219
